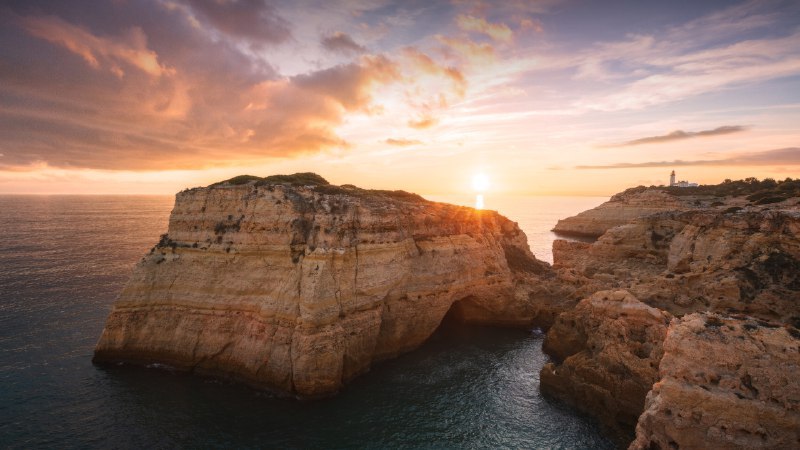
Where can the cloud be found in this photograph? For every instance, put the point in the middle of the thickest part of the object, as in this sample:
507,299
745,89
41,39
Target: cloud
350,84
653,70
185,98
254,20
130,49
497,31
466,50
401,142
424,63
680,135
789,156
422,123
341,43
531,24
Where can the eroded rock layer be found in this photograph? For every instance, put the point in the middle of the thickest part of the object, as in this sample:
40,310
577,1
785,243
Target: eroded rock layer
620,209
606,354
732,261
725,383
301,288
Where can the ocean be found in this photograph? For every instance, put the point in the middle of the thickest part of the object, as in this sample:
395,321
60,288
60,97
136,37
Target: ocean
63,261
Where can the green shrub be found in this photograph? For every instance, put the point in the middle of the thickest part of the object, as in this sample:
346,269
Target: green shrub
297,179
768,200
237,180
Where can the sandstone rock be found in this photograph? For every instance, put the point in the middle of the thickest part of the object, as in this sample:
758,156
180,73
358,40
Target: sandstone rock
606,354
301,288
710,259
725,383
728,255
619,210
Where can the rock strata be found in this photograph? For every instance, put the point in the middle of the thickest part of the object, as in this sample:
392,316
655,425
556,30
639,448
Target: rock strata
606,354
724,257
726,383
619,210
299,288
742,261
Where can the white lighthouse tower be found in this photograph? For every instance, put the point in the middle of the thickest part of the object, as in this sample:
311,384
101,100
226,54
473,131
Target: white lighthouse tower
672,178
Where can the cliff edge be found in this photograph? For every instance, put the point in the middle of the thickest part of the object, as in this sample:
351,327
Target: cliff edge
725,382
293,284
726,266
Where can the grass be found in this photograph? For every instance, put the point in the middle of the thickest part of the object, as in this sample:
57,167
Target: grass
320,185
297,179
757,191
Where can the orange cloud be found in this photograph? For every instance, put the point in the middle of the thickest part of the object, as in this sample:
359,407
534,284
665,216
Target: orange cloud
401,142
199,102
497,31
426,64
424,122
130,49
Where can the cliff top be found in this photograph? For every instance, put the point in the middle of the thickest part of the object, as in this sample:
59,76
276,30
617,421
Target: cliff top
318,184
757,192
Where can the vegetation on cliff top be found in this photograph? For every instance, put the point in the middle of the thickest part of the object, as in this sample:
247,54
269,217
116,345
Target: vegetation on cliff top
319,184
757,191
297,179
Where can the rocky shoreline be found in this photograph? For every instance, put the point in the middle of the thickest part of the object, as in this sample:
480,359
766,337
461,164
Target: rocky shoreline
292,284
726,269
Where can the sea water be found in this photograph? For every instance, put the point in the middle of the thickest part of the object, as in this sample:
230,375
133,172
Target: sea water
63,261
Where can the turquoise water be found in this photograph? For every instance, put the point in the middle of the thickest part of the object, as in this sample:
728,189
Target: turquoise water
64,259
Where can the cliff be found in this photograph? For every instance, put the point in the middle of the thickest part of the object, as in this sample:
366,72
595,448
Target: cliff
620,209
731,269
639,202
732,261
296,285
725,382
606,353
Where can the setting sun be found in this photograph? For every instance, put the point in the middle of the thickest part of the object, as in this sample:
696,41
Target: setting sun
480,182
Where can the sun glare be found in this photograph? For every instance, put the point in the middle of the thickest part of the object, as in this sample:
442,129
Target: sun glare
480,182
479,201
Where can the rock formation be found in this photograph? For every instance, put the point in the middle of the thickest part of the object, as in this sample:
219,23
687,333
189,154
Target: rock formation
606,354
724,383
620,209
732,255
732,261
638,202
299,288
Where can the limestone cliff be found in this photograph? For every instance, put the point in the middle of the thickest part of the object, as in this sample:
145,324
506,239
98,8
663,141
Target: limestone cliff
638,202
619,210
738,256
606,354
300,288
727,383
732,260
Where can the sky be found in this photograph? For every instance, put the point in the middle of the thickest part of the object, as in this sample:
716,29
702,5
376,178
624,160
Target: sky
540,97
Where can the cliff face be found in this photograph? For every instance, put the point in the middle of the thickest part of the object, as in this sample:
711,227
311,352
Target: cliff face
732,261
620,209
725,380
724,383
606,354
301,288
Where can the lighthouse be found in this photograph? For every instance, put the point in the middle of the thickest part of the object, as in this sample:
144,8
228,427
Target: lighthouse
672,178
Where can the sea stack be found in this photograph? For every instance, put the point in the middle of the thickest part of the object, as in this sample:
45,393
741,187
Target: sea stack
292,284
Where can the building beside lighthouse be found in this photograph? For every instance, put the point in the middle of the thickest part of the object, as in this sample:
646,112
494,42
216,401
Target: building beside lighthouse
683,183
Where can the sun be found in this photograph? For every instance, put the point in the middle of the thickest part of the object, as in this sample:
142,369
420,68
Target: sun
480,182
